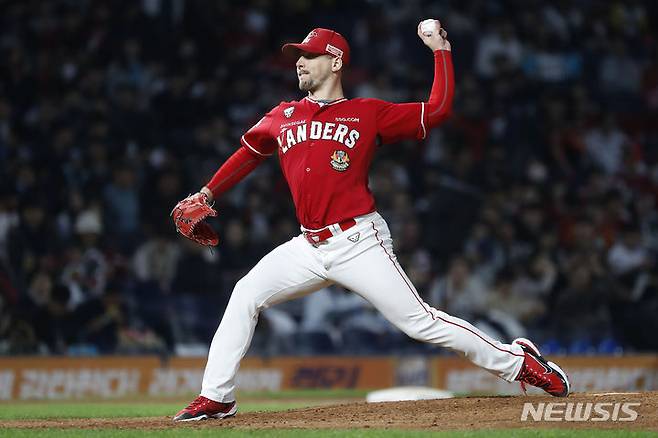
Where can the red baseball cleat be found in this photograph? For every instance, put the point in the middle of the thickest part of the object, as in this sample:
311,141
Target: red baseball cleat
202,408
539,372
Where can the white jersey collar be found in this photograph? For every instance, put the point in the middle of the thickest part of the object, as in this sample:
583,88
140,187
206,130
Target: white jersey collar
342,99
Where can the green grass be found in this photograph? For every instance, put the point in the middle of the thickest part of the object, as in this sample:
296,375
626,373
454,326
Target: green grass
44,410
144,407
229,433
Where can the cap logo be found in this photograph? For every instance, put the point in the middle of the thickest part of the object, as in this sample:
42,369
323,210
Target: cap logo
310,35
334,51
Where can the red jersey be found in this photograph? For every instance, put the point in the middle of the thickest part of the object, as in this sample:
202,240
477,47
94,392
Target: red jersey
325,150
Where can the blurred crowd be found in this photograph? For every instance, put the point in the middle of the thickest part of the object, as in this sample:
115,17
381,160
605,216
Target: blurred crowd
532,211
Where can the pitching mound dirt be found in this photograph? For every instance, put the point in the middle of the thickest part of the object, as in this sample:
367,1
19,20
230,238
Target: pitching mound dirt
458,413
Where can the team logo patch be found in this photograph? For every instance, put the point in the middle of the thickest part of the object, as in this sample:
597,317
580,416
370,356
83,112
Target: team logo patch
340,161
310,35
288,111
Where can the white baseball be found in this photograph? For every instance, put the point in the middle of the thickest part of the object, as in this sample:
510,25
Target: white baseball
427,27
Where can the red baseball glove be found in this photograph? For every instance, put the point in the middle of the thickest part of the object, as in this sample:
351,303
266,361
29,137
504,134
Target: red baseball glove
189,215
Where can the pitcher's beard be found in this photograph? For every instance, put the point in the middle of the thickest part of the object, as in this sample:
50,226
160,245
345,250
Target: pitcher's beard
306,85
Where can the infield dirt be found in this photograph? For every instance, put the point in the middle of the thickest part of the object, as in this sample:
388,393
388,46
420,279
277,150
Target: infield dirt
449,414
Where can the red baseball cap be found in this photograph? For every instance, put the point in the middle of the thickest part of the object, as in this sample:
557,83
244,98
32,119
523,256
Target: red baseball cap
321,41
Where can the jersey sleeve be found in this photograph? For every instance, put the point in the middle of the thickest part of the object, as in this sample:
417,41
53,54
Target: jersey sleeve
399,121
259,138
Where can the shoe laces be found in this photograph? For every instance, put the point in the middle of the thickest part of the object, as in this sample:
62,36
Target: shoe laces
196,402
533,377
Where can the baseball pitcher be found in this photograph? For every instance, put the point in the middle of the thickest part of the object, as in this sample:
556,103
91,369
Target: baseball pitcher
325,143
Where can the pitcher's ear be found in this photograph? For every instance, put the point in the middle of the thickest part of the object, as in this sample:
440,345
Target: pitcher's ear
336,64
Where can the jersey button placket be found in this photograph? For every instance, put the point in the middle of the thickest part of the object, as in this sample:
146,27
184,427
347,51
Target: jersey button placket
307,195
311,143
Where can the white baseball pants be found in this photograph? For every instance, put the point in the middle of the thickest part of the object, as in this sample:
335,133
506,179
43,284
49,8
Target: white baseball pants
360,259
